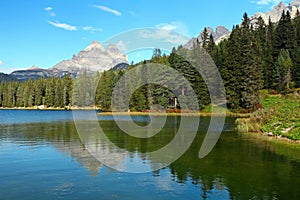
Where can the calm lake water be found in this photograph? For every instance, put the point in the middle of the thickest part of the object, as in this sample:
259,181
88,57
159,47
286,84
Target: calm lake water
42,157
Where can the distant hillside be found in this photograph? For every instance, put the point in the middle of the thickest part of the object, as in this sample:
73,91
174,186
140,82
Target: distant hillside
23,75
7,78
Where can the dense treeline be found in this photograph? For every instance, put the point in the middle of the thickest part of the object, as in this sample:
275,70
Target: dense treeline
52,92
259,56
254,57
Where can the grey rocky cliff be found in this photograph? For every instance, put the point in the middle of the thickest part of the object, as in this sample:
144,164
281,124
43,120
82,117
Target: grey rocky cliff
276,12
219,34
93,58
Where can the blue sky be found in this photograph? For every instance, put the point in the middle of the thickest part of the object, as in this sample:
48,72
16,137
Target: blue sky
44,32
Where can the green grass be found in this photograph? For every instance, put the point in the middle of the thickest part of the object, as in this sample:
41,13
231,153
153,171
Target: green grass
284,119
271,101
279,116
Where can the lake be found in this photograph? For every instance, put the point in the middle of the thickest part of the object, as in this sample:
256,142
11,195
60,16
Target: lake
42,156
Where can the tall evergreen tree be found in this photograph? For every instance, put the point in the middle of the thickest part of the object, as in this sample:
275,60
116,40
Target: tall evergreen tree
205,38
270,73
296,53
250,66
231,68
285,35
284,65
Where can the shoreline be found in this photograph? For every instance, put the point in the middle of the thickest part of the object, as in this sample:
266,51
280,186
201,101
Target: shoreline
50,108
264,136
195,114
201,114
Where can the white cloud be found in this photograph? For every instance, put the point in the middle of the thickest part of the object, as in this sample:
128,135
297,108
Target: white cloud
49,11
266,2
164,36
63,26
1,62
166,26
121,46
107,9
90,28
174,26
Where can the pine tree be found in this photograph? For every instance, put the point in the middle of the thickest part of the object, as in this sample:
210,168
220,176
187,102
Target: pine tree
105,89
285,35
250,66
270,73
50,92
205,38
296,53
231,68
68,90
39,91
211,46
284,64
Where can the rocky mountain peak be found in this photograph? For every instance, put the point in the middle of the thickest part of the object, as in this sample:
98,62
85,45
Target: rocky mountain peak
276,12
93,58
111,48
219,34
94,45
295,3
280,6
33,67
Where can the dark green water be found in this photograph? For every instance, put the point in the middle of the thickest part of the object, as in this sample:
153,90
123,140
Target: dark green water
44,158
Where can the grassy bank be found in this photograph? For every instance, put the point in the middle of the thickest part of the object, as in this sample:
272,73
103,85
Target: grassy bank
207,112
280,117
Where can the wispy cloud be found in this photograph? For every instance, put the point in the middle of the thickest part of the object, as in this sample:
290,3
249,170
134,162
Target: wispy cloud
132,13
164,36
90,28
63,26
168,27
48,8
49,11
121,46
174,26
266,2
1,62
107,9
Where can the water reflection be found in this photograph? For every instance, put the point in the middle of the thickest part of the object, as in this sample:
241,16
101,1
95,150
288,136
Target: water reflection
237,168
61,135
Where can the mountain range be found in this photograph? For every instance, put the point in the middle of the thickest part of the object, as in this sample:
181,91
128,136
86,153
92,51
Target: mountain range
92,59
96,58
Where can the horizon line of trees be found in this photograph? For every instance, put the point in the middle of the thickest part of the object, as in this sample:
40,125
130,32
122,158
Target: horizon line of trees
254,57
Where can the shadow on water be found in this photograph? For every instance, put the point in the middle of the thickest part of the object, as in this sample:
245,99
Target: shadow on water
239,167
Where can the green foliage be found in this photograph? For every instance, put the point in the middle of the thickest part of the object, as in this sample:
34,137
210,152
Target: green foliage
284,66
241,68
285,118
280,116
52,92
